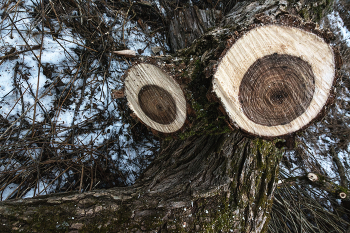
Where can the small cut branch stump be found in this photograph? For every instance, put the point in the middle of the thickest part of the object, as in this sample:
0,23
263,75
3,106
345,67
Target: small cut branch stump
156,98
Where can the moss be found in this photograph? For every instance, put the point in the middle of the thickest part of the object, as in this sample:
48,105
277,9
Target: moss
59,218
294,178
168,138
105,221
110,221
208,119
321,178
267,163
203,44
151,222
316,10
221,215
53,218
343,189
123,214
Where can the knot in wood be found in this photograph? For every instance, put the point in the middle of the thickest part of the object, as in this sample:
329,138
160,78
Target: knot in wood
312,177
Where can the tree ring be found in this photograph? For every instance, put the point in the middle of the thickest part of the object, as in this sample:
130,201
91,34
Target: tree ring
155,97
276,89
310,55
158,104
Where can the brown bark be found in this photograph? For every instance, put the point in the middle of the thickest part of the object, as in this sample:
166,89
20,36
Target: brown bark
204,183
189,24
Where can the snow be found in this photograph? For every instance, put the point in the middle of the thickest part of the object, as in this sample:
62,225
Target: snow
160,7
59,53
337,22
10,189
42,188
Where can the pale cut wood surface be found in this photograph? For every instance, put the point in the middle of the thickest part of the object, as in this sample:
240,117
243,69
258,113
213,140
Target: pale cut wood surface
125,53
146,75
264,41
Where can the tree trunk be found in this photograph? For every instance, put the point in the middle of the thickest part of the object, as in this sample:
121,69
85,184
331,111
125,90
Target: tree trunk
214,179
206,183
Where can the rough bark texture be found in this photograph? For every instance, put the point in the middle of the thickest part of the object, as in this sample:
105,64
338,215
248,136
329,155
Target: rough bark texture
190,20
206,183
189,24
209,181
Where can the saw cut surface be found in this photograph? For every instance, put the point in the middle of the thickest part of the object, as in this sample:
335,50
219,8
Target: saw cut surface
158,104
275,79
276,89
155,97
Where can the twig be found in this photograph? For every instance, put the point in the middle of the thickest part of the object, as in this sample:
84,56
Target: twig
39,65
35,47
18,2
53,8
341,169
77,44
81,178
23,114
59,110
55,39
19,32
16,103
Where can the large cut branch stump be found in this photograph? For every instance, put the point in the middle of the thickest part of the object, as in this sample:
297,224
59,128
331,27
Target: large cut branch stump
275,79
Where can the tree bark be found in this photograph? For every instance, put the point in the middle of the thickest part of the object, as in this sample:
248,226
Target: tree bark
207,183
214,179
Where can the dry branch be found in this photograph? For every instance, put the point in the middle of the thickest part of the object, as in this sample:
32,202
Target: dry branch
125,53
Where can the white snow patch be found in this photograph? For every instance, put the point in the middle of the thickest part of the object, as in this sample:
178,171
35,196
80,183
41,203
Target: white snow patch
337,22
59,53
8,191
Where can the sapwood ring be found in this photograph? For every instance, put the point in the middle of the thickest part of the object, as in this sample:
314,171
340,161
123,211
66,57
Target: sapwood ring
155,97
317,71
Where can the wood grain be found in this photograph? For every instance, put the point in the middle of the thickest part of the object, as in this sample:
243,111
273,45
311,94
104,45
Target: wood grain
265,41
158,104
155,97
276,89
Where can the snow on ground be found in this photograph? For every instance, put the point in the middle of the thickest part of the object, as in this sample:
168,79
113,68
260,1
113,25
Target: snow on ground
21,76
337,24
